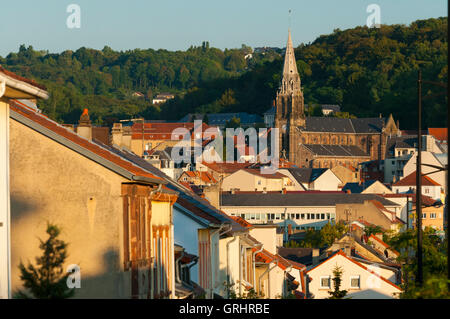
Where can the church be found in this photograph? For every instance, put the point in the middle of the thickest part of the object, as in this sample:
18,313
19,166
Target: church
324,142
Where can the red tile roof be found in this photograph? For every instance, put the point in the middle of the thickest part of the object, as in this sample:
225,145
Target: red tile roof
265,257
383,244
162,131
20,78
227,168
241,221
439,133
204,176
410,180
53,126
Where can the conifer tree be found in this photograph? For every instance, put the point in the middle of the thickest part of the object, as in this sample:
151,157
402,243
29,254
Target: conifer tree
47,280
337,279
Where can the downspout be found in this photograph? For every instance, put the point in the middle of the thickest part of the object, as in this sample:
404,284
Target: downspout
228,260
254,262
268,279
211,255
240,266
177,272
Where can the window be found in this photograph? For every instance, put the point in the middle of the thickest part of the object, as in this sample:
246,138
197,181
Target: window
427,190
308,216
297,216
355,282
328,215
277,216
302,216
432,215
322,216
325,282
317,216
424,215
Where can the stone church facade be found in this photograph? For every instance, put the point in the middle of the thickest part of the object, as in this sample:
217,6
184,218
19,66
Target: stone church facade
324,142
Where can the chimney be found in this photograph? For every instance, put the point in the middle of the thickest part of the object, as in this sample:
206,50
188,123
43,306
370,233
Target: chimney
84,128
116,134
315,256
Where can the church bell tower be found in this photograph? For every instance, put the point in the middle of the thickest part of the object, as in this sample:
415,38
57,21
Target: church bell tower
290,107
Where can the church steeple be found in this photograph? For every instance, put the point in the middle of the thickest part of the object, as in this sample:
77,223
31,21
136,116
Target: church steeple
290,104
291,79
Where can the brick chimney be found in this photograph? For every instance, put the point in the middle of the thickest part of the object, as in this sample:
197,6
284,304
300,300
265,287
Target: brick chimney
84,128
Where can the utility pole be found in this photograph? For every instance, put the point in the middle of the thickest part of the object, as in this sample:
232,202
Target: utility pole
419,278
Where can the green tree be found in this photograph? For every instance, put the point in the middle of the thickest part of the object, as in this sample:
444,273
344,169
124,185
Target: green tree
434,263
337,293
47,280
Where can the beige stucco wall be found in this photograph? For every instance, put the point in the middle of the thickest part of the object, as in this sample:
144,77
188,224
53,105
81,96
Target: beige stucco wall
328,181
4,198
51,183
371,287
377,188
245,181
266,236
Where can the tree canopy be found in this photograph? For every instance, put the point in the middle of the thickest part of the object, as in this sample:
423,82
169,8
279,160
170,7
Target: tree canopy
367,71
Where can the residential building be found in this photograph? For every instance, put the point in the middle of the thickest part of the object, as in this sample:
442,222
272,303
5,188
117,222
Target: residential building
428,158
251,179
361,280
115,216
162,98
12,87
367,187
302,210
346,173
322,179
408,185
383,213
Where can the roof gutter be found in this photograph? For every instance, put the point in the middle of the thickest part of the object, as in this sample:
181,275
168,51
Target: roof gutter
21,86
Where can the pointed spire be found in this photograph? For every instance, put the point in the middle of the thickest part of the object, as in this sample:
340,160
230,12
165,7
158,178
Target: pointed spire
290,65
290,83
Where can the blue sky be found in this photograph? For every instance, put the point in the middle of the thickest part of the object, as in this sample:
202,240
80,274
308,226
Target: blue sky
177,24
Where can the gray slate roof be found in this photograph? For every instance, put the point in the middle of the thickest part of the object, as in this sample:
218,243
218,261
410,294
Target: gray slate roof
405,141
340,125
301,199
306,175
335,150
